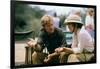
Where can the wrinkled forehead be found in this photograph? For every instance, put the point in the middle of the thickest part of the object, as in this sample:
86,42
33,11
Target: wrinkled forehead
46,18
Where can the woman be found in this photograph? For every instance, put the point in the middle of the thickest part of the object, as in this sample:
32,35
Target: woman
89,22
82,45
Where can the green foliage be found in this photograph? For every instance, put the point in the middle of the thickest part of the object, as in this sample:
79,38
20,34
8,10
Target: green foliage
27,19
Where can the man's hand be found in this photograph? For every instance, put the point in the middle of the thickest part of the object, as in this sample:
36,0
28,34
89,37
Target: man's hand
32,42
48,58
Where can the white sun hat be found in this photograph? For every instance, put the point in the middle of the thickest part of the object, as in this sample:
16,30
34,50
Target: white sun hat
73,19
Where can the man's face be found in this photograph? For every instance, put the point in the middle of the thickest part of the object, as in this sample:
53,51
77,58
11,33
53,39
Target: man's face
49,27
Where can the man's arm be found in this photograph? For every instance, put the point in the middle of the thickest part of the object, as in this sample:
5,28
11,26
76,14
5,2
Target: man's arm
41,43
63,40
41,40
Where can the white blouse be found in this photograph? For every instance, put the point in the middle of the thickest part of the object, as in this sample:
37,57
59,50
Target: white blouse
82,40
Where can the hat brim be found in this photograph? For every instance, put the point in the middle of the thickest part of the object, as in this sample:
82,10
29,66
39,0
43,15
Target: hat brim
69,22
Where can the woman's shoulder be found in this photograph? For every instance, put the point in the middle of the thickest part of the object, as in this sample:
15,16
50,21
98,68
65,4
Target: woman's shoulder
84,33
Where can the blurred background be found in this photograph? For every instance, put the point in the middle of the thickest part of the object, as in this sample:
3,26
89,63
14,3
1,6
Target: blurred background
27,18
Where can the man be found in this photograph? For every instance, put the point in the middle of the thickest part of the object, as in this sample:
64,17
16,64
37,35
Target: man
49,37
82,46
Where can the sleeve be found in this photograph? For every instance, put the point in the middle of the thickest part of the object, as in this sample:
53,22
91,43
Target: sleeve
63,40
78,49
75,44
74,41
82,40
41,41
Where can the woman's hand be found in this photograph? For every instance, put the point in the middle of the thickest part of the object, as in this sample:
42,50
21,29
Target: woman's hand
64,49
60,49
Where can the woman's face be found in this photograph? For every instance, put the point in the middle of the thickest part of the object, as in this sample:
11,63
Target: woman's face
71,27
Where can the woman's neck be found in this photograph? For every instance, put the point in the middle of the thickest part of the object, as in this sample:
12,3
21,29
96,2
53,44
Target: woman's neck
76,31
